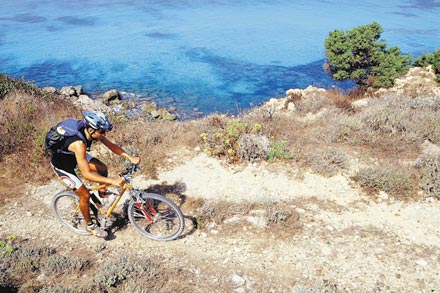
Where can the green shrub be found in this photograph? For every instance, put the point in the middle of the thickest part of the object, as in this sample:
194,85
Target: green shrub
11,84
278,151
430,59
357,55
424,60
6,246
224,139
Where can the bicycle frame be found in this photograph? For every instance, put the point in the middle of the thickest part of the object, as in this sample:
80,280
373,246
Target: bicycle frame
115,201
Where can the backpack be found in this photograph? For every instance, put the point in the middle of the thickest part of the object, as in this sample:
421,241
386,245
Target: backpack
56,136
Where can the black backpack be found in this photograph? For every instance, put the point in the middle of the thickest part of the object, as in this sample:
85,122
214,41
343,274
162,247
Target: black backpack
56,136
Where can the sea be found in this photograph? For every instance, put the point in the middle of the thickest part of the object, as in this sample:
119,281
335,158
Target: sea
196,55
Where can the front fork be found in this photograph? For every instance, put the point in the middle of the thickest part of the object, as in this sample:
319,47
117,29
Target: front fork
146,208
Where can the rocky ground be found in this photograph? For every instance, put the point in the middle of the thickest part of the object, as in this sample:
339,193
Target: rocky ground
341,241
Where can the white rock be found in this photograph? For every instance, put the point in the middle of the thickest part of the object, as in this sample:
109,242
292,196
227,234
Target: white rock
238,281
421,262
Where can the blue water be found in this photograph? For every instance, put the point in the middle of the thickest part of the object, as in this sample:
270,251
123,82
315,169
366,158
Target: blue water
214,55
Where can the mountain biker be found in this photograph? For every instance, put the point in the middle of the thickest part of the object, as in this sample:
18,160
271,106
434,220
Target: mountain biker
73,154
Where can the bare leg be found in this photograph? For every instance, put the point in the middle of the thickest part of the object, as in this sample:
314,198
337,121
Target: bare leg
84,206
99,167
84,197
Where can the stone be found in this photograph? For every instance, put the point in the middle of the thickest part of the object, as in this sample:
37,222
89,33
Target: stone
421,262
360,103
68,91
50,90
238,280
110,96
79,90
253,147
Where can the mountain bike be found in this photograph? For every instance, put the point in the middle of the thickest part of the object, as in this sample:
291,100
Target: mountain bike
151,214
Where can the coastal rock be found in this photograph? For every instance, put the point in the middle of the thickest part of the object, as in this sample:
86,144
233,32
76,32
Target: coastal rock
85,102
111,96
418,82
293,92
149,107
50,90
314,92
163,114
68,91
79,90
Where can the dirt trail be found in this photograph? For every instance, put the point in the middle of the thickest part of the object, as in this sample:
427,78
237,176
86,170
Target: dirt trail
347,241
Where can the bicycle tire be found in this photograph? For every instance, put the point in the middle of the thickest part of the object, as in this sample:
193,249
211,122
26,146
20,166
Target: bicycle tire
65,205
156,217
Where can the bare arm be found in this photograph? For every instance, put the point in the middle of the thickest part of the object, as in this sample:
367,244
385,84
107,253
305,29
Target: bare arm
119,151
79,148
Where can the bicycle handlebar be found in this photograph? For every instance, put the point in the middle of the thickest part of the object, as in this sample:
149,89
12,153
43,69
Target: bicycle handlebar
129,170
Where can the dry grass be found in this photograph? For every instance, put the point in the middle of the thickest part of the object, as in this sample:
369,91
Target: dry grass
396,182
24,120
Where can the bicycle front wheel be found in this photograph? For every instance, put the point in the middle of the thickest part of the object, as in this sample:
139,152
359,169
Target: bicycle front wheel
65,205
156,217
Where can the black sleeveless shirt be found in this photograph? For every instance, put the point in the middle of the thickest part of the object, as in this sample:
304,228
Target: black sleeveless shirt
68,162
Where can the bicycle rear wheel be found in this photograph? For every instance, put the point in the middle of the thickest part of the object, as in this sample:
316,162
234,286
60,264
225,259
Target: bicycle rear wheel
65,205
156,217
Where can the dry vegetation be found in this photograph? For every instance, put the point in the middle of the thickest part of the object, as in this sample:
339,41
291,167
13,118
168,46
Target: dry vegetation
325,134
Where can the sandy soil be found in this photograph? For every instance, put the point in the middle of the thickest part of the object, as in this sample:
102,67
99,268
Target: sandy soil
347,241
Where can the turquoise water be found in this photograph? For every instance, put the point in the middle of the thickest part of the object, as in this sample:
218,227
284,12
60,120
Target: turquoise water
214,55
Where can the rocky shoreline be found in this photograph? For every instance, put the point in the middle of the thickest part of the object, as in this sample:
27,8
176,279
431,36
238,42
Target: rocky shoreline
118,103
417,82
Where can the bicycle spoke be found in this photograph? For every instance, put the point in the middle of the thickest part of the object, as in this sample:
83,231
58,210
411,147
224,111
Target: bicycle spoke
157,218
66,208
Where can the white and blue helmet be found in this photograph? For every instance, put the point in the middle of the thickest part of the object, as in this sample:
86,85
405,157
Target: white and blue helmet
97,121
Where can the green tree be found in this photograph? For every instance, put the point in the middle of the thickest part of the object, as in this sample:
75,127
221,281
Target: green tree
358,55
430,59
424,60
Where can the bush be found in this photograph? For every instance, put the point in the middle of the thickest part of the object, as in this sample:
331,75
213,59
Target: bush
18,260
392,181
394,121
429,167
430,59
424,60
58,288
223,140
115,271
357,55
59,264
278,151
10,84
327,162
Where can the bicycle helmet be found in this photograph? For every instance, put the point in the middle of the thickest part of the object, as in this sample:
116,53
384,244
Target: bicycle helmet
97,121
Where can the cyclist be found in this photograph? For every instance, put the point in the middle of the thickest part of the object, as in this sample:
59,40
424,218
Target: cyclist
73,154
